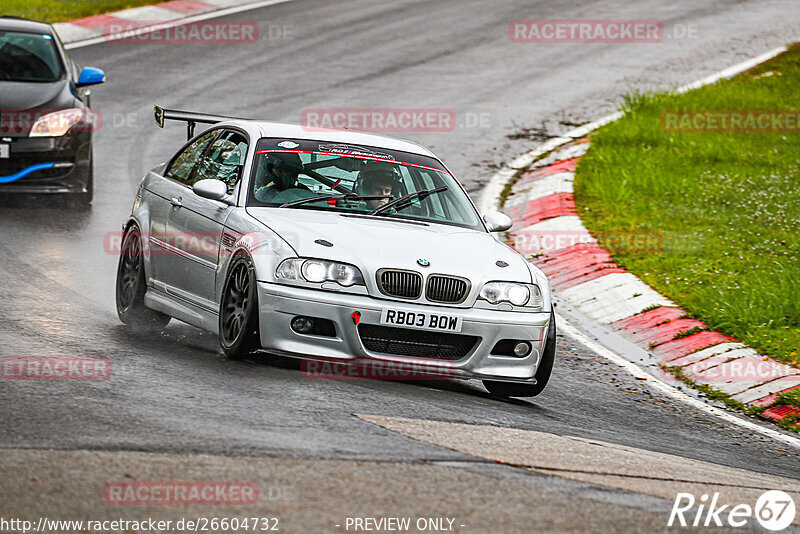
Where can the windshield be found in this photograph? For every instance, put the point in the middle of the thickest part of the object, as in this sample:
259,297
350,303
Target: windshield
28,57
301,174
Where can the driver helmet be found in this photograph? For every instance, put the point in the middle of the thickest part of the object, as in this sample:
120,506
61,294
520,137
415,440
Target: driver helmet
377,172
282,168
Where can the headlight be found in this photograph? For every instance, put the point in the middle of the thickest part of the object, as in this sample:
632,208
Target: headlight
56,123
514,293
318,271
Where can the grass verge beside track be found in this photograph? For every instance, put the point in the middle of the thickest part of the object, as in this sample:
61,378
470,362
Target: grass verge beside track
723,207
63,10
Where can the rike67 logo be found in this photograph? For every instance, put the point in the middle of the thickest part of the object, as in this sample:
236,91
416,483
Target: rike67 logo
774,510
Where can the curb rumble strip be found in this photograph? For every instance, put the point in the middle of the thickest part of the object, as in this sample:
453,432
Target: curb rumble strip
542,206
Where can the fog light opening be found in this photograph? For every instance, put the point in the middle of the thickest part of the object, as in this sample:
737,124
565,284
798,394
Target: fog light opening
522,349
303,325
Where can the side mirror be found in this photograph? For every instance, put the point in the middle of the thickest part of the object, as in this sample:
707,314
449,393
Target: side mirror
496,221
90,76
213,190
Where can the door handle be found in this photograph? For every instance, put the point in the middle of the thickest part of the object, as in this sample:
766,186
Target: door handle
176,202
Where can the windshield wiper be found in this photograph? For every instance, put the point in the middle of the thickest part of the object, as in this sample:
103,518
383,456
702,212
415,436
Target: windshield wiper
323,198
405,200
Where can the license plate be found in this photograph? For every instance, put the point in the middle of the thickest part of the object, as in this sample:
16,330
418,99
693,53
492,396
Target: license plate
5,151
422,320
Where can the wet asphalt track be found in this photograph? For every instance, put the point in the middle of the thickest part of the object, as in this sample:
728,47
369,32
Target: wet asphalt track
174,393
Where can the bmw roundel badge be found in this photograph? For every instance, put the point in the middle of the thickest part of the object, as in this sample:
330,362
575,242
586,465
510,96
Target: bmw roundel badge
423,262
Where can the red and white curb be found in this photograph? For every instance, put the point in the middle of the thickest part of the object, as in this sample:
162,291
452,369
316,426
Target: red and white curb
548,230
145,19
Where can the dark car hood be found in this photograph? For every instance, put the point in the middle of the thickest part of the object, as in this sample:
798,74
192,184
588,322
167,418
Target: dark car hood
25,95
38,98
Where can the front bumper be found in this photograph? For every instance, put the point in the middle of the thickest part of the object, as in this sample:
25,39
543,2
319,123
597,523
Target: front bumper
279,304
30,168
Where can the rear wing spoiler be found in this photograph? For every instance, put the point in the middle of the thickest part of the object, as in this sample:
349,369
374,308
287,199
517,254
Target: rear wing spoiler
191,118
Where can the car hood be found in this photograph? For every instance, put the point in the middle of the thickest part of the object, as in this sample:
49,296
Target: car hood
33,98
24,96
374,243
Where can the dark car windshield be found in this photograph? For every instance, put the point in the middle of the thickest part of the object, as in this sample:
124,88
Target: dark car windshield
28,57
290,173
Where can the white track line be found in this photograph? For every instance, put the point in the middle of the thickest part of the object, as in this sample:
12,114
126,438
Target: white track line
490,197
665,388
188,20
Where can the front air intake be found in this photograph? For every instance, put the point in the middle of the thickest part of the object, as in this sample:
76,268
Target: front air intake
401,284
446,289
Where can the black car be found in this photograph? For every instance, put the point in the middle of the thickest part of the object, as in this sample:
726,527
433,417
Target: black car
46,122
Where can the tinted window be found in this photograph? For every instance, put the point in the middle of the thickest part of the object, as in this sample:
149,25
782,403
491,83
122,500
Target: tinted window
28,57
181,167
223,160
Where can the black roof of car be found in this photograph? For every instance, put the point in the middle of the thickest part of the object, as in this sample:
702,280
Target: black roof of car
8,23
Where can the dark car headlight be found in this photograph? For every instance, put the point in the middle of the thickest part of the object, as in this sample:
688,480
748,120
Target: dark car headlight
319,271
57,123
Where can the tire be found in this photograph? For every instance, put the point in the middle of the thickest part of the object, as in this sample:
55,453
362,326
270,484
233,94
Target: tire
131,287
543,372
238,310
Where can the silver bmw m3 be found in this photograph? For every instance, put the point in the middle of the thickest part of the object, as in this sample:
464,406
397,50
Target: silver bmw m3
332,246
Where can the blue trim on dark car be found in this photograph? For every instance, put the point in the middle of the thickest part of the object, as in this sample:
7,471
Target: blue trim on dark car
25,172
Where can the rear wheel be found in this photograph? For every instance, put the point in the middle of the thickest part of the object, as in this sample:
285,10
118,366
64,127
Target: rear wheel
238,311
131,287
543,372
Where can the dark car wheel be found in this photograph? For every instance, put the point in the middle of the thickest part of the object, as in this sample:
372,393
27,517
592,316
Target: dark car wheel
131,287
238,311
543,372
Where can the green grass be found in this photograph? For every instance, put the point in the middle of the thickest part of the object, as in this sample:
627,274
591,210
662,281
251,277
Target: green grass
727,206
792,398
63,10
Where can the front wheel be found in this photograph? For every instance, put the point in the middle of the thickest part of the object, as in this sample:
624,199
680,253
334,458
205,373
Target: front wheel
131,287
543,372
238,310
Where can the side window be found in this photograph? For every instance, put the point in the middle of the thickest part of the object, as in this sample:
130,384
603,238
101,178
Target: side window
73,69
181,167
223,160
